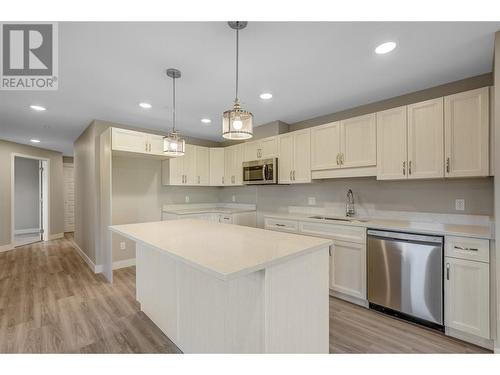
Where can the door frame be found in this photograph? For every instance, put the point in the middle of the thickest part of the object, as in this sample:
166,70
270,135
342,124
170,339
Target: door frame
67,165
46,196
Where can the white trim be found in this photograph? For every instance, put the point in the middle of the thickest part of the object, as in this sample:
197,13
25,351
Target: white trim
26,231
86,259
473,339
6,247
123,263
46,202
55,236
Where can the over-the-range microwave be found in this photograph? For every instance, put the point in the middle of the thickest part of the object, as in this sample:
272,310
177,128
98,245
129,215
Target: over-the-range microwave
260,172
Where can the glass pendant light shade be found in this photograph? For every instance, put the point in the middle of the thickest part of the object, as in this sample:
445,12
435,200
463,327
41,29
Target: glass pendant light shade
237,123
174,145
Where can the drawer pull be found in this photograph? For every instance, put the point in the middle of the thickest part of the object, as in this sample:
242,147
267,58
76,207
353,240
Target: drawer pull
280,225
466,248
447,271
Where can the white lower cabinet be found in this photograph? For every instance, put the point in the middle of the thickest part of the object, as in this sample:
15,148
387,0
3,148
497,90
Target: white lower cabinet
467,295
348,268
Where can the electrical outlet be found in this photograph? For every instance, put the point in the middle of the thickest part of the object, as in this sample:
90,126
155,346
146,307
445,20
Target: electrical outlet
233,198
459,204
311,201
186,198
123,245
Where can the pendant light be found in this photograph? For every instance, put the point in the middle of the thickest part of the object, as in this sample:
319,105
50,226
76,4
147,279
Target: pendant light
237,123
173,144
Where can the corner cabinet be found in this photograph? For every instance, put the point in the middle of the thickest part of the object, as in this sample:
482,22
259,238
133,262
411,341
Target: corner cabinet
294,150
192,169
466,124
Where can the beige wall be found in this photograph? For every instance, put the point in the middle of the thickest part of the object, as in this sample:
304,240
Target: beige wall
138,195
56,218
496,257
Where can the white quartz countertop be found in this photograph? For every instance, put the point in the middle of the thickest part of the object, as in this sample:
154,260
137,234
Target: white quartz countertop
214,210
475,231
224,250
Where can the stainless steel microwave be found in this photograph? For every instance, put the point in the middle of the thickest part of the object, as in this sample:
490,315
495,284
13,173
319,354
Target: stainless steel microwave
260,172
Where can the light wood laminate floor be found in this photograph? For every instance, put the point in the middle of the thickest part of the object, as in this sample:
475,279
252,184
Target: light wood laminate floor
50,302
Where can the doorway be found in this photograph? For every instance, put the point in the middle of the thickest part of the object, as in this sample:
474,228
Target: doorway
29,200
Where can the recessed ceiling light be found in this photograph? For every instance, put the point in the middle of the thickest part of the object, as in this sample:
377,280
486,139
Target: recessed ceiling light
266,95
38,108
206,120
34,140
385,48
145,105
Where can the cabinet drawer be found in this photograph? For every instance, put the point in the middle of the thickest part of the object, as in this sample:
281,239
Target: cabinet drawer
334,231
227,219
467,248
281,225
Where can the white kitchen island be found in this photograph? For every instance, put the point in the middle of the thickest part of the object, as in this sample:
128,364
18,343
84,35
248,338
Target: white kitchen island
221,288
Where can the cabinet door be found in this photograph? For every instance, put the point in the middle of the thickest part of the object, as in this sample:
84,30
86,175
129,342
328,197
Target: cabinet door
391,144
466,296
202,166
175,171
251,150
268,148
302,156
348,268
189,165
466,125
286,158
325,146
217,166
129,140
425,139
358,141
237,164
156,144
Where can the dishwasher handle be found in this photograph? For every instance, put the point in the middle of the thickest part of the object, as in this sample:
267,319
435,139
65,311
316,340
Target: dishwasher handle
411,237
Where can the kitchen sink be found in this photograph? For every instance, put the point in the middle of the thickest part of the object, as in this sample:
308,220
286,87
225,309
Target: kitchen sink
337,219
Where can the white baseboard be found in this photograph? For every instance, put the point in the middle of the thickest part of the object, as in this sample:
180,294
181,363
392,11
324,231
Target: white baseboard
56,236
345,297
26,231
6,247
473,339
123,263
86,259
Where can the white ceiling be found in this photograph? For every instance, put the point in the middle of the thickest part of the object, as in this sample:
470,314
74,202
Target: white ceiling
106,69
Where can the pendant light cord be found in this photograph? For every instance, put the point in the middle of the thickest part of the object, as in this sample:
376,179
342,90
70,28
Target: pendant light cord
237,61
173,106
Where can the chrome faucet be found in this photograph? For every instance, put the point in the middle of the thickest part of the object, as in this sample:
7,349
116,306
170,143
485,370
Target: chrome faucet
349,204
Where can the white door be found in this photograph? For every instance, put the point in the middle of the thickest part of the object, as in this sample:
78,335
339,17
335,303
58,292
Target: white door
202,166
425,139
466,296
217,166
69,198
348,268
391,144
466,125
358,141
286,158
268,148
155,144
302,156
129,140
325,146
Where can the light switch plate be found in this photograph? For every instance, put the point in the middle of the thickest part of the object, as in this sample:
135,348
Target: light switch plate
186,198
123,245
459,204
311,201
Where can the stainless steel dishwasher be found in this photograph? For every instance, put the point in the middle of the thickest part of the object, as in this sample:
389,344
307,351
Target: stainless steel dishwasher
405,276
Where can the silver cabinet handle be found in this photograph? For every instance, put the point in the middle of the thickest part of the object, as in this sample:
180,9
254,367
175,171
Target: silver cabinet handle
330,250
404,168
290,175
465,248
150,147
222,180
146,146
198,179
447,271
280,225
341,159
294,174
338,158
447,165
409,168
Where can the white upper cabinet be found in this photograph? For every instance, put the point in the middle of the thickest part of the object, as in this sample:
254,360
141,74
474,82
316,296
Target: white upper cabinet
202,166
358,141
391,144
466,120
425,139
129,140
190,169
217,166
261,149
325,146
295,157
233,160
137,142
